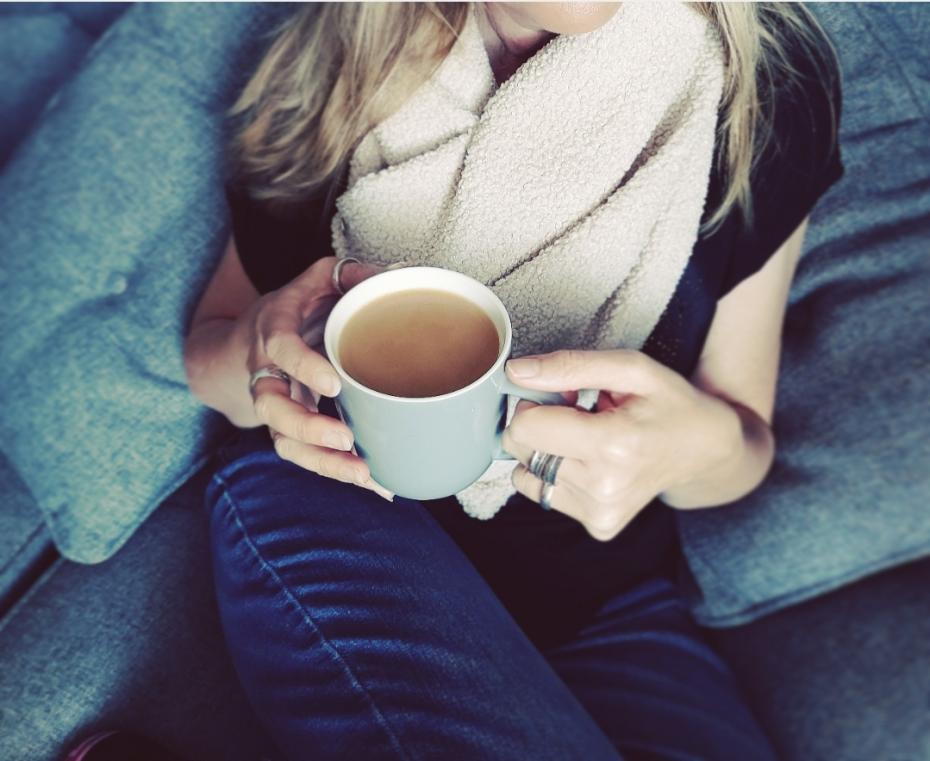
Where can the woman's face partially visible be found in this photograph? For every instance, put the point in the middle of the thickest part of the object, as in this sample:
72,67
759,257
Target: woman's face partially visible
561,18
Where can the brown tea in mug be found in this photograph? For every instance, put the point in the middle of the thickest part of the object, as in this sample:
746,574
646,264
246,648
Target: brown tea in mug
419,342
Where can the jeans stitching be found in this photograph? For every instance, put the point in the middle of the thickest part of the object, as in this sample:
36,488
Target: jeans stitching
308,620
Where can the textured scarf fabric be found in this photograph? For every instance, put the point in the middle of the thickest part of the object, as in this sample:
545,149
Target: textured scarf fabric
574,190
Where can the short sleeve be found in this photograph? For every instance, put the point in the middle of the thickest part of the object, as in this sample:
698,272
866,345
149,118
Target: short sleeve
800,162
275,245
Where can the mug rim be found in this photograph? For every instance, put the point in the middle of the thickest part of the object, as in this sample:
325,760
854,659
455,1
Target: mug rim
332,354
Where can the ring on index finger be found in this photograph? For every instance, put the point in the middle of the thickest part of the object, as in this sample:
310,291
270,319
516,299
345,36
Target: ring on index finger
268,371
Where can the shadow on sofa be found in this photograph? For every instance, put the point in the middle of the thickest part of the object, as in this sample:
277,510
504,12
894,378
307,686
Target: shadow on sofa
135,641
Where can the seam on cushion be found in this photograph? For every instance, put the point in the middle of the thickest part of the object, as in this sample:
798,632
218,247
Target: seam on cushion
77,26
308,620
22,547
29,594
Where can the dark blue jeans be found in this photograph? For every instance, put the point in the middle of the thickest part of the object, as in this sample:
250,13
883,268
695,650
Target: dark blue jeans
360,630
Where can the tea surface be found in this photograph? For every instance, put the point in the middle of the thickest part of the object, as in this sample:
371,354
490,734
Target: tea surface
418,343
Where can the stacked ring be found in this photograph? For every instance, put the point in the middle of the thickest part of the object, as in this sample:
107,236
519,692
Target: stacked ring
551,468
545,466
535,464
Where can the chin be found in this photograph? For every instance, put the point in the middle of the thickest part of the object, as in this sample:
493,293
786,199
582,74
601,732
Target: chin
567,18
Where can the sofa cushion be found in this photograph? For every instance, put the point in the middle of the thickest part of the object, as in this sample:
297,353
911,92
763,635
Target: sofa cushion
112,218
845,677
41,46
134,643
847,495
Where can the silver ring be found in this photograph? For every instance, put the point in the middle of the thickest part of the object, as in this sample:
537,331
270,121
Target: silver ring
268,371
337,273
545,496
536,462
550,468
545,466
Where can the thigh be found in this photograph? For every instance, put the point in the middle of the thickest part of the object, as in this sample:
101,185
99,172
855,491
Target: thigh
644,672
360,630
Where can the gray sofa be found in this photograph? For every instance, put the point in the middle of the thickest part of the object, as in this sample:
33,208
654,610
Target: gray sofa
134,641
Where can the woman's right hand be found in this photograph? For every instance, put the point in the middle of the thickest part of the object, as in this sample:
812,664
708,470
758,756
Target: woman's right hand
301,434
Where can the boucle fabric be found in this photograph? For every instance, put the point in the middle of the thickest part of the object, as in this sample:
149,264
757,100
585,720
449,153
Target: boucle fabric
574,190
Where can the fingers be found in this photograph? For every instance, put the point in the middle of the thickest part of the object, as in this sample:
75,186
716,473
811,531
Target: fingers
292,419
296,310
347,467
561,497
343,466
622,370
571,471
566,431
287,350
317,279
602,522
354,273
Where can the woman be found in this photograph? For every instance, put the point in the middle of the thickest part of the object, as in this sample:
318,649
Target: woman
369,627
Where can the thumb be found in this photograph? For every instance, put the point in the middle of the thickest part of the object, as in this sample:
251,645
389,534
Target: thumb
354,273
620,370
317,280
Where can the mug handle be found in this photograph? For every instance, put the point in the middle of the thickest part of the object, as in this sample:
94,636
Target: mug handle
539,397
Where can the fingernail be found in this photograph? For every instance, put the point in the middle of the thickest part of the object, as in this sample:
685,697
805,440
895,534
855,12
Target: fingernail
525,367
337,441
382,492
351,474
326,383
378,489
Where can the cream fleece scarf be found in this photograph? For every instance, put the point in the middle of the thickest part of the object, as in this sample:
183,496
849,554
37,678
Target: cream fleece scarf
574,190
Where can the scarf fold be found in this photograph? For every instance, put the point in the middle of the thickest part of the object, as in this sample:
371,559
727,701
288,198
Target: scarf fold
574,190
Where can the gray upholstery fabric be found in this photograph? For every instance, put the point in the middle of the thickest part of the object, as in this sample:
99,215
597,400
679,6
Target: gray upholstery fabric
25,543
41,46
112,218
845,677
132,643
849,491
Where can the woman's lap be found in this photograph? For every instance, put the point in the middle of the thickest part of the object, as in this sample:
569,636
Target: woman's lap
359,629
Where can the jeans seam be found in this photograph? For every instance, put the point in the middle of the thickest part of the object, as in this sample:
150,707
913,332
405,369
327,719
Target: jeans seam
311,624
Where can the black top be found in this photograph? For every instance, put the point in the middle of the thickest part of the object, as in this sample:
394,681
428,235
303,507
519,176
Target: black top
543,565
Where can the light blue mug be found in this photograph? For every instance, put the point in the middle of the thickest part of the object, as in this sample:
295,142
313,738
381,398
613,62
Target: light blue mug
429,447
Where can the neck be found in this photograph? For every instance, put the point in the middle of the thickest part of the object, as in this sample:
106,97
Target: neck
508,41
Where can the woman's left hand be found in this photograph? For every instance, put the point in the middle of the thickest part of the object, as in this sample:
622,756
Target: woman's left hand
651,432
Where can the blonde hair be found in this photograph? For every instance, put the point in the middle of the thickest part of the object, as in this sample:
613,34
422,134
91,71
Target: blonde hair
337,69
